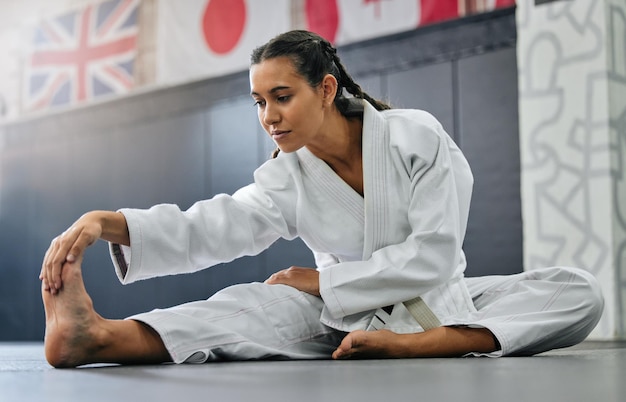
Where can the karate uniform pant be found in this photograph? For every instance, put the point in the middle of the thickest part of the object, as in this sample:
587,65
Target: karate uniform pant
529,313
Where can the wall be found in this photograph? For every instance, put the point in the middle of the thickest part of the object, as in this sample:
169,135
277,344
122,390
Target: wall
572,109
616,80
189,142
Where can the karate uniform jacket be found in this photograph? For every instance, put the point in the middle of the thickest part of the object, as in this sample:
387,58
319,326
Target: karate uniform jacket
402,239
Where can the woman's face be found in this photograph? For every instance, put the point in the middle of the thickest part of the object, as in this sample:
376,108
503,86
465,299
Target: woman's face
289,110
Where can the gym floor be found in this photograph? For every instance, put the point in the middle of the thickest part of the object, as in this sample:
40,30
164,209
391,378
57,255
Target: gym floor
591,371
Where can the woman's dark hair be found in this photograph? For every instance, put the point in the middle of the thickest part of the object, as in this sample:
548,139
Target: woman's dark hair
313,57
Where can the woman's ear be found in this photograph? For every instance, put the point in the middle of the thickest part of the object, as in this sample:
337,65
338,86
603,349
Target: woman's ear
329,88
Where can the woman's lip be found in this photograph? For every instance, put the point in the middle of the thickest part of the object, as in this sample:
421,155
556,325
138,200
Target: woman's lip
276,135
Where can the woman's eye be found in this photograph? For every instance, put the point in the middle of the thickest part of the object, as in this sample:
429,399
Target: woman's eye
259,103
283,99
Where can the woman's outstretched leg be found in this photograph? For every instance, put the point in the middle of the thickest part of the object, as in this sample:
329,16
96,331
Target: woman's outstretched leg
77,335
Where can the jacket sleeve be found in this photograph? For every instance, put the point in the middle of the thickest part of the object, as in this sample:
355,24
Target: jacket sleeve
440,189
166,240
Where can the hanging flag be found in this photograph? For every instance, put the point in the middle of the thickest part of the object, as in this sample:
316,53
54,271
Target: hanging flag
438,11
348,21
82,55
205,38
469,7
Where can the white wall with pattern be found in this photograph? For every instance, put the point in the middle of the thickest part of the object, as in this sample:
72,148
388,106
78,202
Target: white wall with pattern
572,107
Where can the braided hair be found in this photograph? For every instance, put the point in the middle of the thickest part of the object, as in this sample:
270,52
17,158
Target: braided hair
313,57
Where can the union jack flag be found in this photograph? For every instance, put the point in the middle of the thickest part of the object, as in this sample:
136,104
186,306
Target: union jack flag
82,55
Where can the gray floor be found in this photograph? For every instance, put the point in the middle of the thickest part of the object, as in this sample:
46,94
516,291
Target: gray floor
592,371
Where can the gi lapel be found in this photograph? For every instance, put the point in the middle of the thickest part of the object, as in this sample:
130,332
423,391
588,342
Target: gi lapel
375,155
375,163
327,182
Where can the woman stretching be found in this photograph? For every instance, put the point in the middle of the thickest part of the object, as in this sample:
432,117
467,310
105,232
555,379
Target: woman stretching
381,196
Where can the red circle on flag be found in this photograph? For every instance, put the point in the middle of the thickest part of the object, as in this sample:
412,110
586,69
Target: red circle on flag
223,23
322,17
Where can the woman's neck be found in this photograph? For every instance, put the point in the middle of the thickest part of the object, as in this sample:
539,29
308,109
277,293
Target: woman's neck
341,149
340,142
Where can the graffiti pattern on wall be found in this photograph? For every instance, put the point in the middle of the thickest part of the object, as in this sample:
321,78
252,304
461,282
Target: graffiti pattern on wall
572,130
616,22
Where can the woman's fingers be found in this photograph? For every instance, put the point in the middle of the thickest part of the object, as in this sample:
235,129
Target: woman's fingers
44,274
83,239
54,264
56,256
46,267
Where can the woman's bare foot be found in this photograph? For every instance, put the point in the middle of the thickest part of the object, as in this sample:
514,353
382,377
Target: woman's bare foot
437,342
72,325
77,335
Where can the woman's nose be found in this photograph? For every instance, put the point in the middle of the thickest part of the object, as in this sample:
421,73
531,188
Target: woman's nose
270,115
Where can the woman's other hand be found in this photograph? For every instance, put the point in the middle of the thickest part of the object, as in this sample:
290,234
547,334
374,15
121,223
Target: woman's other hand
304,279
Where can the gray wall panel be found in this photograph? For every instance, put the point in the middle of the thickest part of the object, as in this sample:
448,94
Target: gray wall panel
373,85
488,126
284,254
159,161
428,88
18,287
233,153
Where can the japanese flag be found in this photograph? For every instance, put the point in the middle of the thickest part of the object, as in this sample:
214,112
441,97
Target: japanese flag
206,38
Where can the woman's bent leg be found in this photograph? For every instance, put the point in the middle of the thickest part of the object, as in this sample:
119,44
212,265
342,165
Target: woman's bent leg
521,314
538,310
77,335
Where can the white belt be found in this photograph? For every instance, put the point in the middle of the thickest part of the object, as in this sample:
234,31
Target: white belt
422,313
416,307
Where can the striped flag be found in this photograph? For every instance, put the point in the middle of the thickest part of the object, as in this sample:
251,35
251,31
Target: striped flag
82,55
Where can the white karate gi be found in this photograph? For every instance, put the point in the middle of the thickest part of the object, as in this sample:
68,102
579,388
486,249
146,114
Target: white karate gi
401,240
